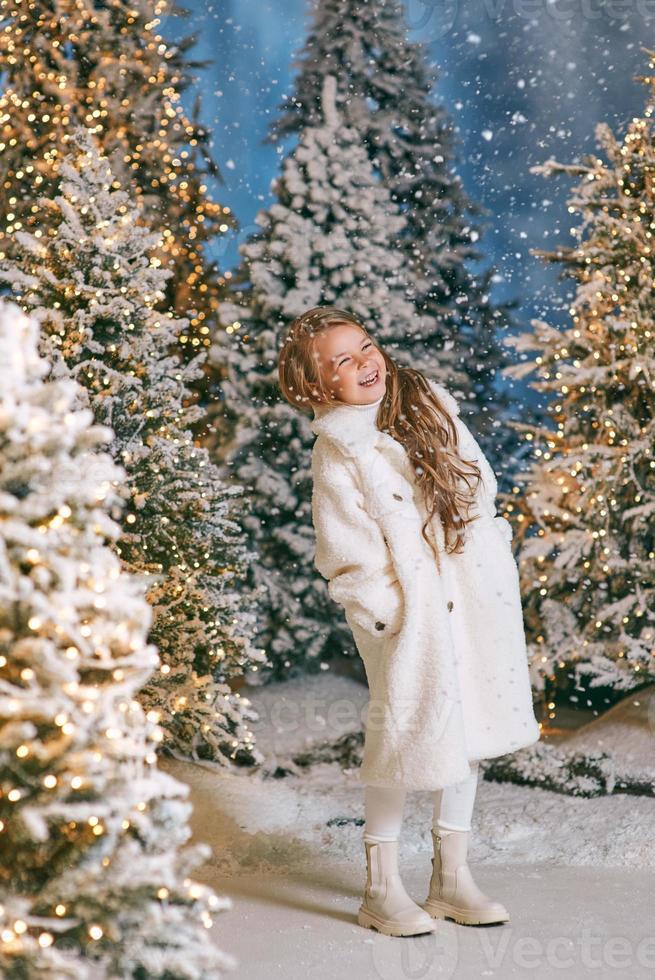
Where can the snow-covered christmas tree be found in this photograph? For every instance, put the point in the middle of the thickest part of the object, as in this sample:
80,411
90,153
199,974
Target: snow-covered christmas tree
90,282
386,91
330,238
586,504
93,875
106,66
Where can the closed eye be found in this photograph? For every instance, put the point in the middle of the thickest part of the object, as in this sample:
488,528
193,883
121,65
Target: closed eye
367,343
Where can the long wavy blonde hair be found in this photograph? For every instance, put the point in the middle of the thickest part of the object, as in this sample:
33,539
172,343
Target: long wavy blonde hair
410,412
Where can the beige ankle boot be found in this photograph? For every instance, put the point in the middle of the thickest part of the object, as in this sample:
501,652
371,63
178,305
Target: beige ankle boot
453,893
386,905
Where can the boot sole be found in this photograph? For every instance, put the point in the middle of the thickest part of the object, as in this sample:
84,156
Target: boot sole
387,926
443,910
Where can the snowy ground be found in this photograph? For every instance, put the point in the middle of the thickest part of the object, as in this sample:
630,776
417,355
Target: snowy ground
577,875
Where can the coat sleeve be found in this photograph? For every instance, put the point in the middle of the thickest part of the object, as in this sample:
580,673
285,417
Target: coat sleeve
351,551
486,492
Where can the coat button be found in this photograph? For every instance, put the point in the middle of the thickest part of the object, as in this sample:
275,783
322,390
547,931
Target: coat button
450,605
379,625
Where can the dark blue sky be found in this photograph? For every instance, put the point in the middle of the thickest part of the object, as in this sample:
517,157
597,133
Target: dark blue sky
523,80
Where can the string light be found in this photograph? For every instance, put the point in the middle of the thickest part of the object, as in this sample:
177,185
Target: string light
594,370
41,104
166,159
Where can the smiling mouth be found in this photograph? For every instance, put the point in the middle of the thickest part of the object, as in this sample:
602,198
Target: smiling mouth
371,380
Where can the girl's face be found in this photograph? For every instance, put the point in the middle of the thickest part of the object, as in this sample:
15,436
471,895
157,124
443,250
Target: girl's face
347,358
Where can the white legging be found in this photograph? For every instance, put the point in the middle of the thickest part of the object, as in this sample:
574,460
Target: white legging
452,807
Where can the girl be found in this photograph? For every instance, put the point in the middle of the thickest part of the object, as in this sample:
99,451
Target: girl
408,539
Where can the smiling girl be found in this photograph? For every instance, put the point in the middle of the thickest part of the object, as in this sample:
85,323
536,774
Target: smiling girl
408,539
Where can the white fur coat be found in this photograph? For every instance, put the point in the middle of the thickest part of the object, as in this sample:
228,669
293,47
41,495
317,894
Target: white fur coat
444,653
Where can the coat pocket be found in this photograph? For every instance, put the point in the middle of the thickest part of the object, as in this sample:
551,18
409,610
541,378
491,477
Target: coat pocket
395,498
378,608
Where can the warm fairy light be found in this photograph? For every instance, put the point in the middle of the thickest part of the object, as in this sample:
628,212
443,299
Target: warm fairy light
87,638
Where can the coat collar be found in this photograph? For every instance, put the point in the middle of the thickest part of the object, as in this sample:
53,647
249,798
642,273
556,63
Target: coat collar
353,427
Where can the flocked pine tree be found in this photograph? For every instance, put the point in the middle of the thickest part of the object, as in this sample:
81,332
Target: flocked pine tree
93,872
94,289
329,239
587,501
106,66
386,90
